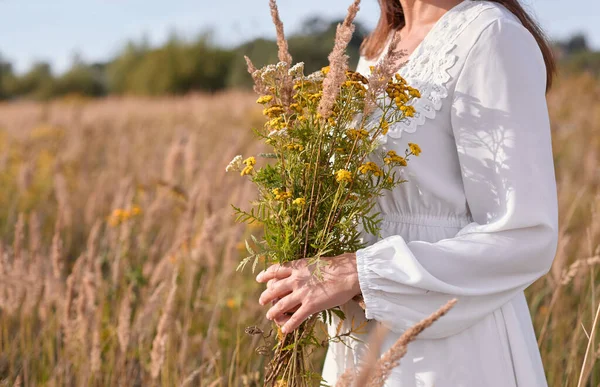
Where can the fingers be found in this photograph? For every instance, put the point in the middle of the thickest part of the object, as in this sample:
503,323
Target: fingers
275,289
274,271
284,305
296,319
282,319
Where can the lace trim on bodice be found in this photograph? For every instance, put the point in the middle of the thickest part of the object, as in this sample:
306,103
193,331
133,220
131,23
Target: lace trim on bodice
427,68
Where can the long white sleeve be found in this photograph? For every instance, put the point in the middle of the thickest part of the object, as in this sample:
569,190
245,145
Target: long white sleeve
501,127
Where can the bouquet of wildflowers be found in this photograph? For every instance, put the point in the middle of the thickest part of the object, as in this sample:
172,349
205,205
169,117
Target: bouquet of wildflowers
318,182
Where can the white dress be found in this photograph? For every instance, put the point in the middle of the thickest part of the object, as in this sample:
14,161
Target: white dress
478,218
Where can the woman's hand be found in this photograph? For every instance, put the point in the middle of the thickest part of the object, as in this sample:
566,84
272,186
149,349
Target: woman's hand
293,287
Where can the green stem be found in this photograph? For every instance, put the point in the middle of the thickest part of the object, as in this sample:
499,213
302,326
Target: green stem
311,203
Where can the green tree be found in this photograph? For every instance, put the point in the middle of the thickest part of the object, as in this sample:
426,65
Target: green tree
81,79
37,83
7,79
120,69
175,68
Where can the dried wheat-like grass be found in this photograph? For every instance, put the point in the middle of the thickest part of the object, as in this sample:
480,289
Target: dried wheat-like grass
338,62
574,268
4,264
95,355
283,54
35,239
160,340
62,197
376,376
18,241
152,303
113,145
57,253
585,368
124,323
392,357
174,161
259,87
383,71
190,164
25,176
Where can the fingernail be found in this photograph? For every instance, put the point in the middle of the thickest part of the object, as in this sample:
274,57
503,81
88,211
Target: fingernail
284,330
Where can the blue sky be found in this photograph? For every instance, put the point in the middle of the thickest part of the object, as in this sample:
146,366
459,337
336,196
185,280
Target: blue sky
55,30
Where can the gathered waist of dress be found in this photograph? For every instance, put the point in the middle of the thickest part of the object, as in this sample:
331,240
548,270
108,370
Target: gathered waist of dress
450,221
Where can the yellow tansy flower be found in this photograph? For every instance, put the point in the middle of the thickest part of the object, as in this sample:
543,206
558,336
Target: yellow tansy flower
393,157
409,111
357,133
414,93
247,170
299,201
281,194
343,175
264,99
250,161
296,107
231,303
273,111
119,216
298,147
385,126
370,167
414,148
276,123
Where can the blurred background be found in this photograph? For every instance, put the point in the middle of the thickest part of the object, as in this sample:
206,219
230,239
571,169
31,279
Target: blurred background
97,48
118,245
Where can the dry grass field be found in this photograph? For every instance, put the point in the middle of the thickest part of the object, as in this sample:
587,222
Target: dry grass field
118,245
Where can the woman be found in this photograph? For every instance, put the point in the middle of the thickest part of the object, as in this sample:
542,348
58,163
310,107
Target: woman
477,219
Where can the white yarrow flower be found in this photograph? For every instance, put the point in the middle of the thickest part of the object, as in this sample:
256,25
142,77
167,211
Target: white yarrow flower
235,164
278,133
268,73
296,70
317,76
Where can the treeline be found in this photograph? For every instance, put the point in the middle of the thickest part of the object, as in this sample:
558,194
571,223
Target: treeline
177,67
575,55
181,66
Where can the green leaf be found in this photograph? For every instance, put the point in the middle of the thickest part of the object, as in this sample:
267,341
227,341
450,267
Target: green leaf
288,347
324,317
268,155
248,247
254,264
338,312
243,264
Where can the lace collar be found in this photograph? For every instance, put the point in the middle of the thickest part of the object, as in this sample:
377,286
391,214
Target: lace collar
427,67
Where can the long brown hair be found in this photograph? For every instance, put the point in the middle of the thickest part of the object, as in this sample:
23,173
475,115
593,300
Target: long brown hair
392,18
